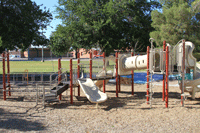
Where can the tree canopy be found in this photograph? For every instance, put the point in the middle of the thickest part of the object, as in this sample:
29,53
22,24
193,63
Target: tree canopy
21,22
61,40
107,24
178,20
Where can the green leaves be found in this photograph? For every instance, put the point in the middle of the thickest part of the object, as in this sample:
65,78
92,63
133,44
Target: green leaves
177,21
61,40
21,22
107,24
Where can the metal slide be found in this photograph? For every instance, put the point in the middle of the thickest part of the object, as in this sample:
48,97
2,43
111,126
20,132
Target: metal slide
91,91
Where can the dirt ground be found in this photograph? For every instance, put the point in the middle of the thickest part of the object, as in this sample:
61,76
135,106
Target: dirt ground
127,113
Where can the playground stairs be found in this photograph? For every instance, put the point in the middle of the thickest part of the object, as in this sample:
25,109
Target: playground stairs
54,92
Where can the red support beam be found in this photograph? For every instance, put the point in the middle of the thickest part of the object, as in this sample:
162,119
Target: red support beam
104,81
116,65
132,78
167,74
59,71
78,71
163,93
4,77
183,73
119,84
91,65
148,51
71,83
8,73
59,75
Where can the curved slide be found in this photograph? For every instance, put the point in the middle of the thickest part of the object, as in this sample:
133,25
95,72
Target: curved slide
91,91
191,86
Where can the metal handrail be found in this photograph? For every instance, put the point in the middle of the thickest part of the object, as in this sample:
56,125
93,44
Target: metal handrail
58,71
64,79
57,77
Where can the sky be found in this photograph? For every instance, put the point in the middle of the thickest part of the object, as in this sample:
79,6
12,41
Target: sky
51,6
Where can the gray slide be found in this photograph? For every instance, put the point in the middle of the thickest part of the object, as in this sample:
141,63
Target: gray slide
91,91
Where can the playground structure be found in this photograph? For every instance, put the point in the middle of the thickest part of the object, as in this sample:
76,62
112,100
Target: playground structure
173,60
31,81
164,61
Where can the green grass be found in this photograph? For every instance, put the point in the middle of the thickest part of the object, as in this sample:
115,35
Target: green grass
50,66
47,66
35,66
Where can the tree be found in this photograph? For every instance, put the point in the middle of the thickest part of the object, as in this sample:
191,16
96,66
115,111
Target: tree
196,5
60,40
20,23
107,24
178,20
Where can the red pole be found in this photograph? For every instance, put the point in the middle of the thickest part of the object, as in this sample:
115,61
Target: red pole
4,78
119,78
167,74
71,83
59,75
78,72
104,81
163,93
91,65
183,73
8,73
132,77
116,61
59,71
148,51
